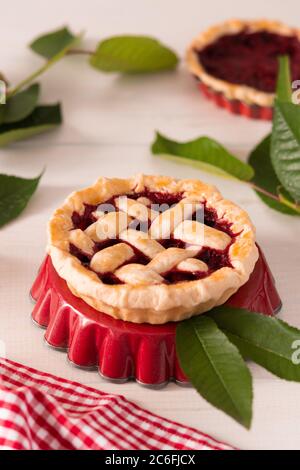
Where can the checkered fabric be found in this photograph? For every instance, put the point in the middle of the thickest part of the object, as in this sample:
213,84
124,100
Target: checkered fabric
39,411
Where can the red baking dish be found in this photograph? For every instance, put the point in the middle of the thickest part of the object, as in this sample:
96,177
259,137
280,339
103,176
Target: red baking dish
236,106
123,350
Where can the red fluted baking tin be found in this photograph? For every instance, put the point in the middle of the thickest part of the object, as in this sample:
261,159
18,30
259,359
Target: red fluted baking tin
236,106
123,350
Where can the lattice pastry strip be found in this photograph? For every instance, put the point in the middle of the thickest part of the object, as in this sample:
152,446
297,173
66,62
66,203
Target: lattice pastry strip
136,274
142,242
136,209
109,259
82,241
109,226
163,226
192,265
144,200
196,233
169,259
97,214
91,230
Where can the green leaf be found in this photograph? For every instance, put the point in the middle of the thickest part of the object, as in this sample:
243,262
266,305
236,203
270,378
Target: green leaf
268,341
283,91
21,105
265,177
132,54
15,194
204,151
215,367
42,119
285,147
53,43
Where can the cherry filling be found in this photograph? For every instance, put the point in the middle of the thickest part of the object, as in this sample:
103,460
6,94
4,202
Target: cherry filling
161,199
251,58
215,259
86,219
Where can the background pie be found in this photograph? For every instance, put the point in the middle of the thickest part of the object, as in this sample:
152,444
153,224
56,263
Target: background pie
238,60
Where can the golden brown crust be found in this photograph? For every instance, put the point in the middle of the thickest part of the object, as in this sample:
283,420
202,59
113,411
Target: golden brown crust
155,303
232,91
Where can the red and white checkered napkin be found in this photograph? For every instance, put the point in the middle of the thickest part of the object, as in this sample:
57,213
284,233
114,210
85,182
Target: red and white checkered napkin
41,411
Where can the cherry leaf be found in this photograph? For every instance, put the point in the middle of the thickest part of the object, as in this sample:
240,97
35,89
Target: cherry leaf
43,118
133,54
15,193
51,44
215,367
21,104
265,176
285,142
207,153
270,342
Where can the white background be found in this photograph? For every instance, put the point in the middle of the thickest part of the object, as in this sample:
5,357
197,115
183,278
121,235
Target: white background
109,122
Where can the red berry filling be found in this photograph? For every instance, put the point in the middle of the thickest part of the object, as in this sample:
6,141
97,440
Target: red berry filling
215,259
251,58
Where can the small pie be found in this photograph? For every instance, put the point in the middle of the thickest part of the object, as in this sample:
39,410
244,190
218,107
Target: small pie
240,58
152,249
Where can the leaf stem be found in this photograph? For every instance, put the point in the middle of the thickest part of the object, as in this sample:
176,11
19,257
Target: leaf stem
29,79
80,51
263,191
43,68
279,199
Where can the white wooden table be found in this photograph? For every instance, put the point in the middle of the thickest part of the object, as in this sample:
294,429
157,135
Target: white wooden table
109,123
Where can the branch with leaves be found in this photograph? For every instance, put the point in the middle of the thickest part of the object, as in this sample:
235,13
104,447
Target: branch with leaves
273,168
21,117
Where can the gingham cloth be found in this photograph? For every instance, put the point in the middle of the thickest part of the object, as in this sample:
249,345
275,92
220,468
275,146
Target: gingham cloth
42,412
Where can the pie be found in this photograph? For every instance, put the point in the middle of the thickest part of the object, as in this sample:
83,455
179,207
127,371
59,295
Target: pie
240,58
152,249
